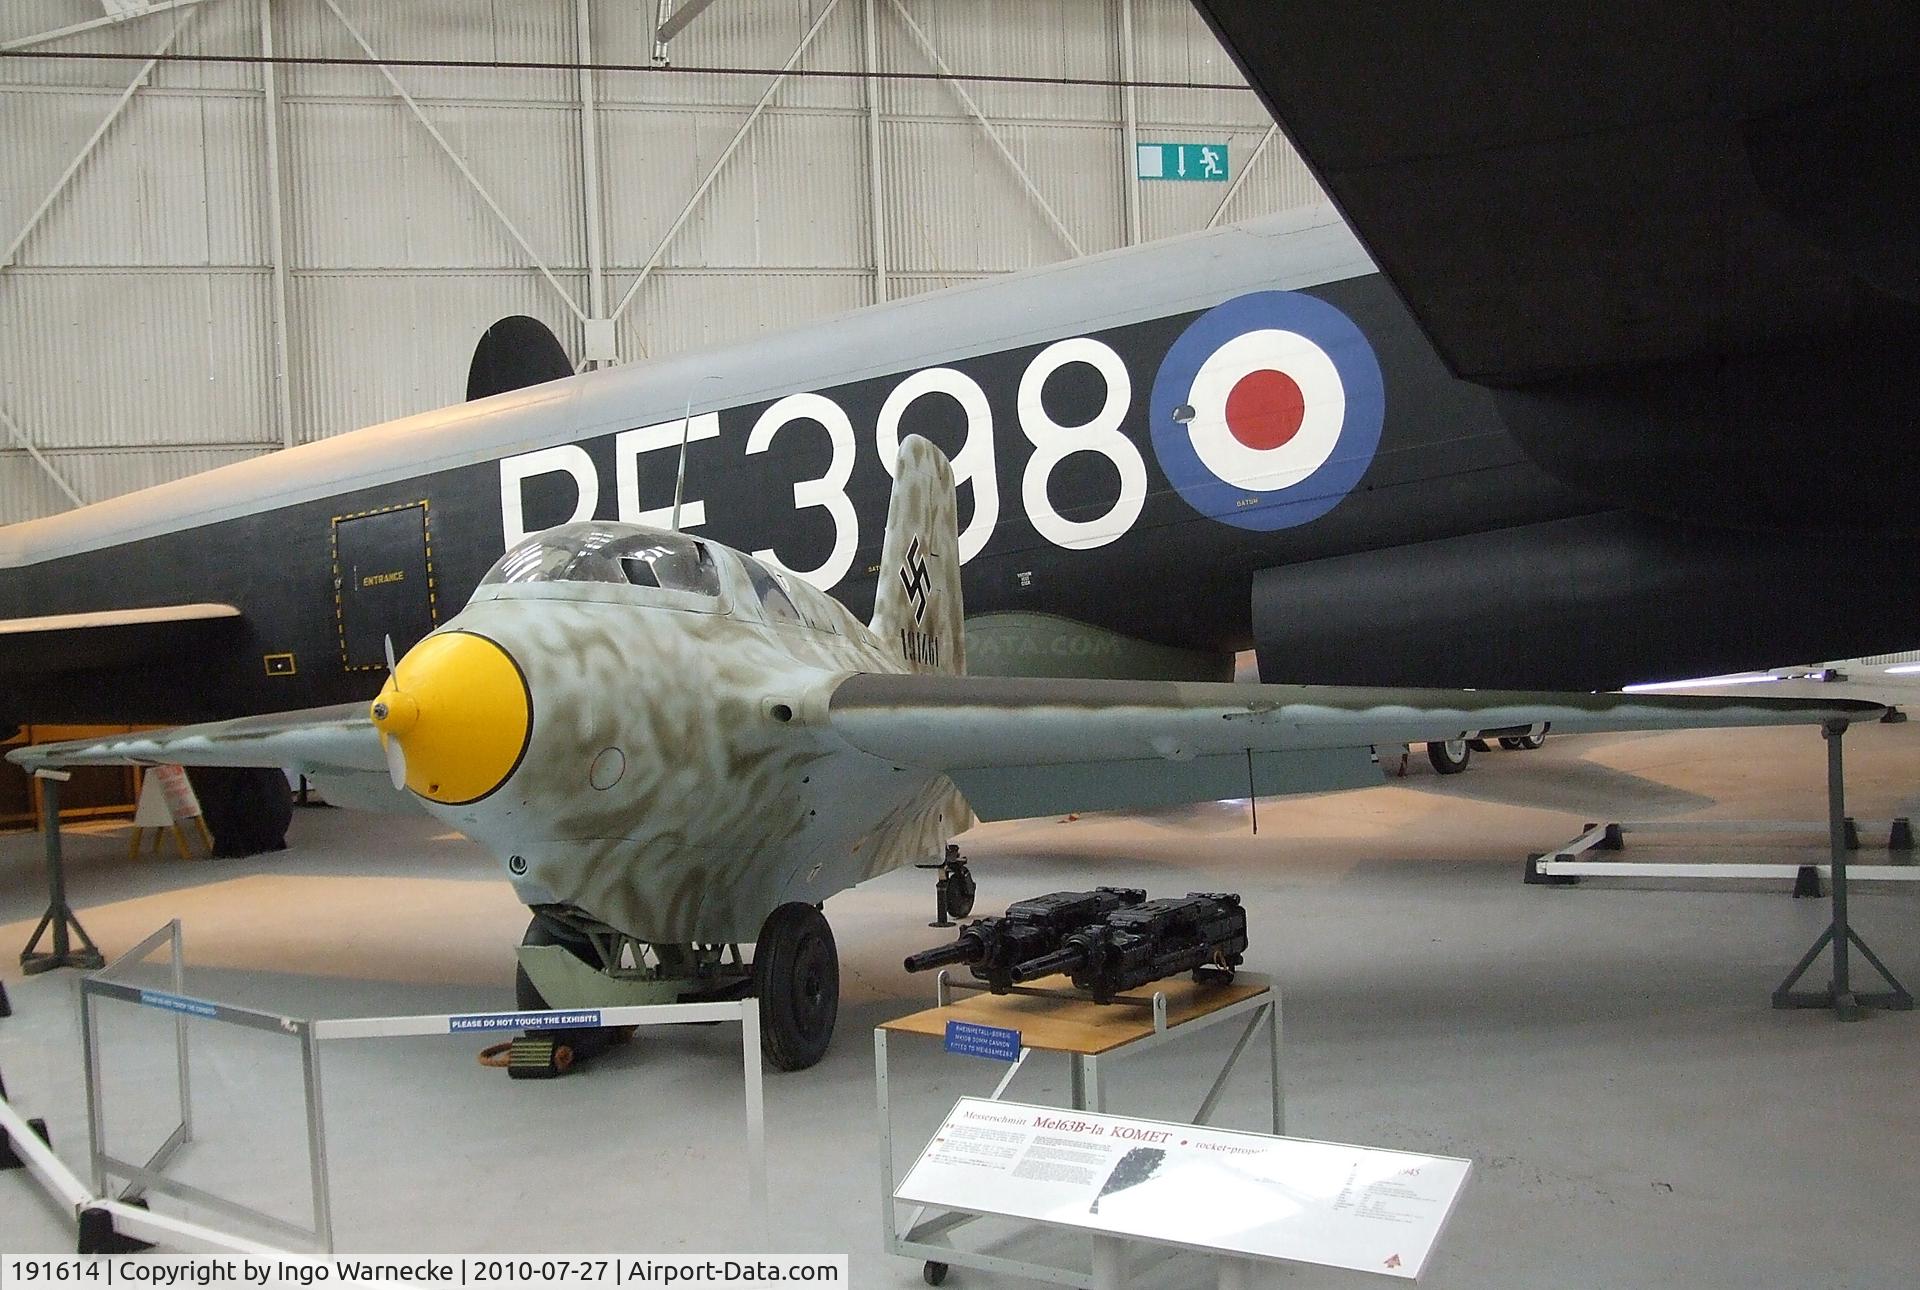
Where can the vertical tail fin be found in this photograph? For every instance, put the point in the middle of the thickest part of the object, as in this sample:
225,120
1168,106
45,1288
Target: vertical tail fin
917,613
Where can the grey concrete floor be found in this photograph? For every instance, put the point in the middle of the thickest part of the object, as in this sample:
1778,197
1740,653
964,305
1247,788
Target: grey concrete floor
1606,1055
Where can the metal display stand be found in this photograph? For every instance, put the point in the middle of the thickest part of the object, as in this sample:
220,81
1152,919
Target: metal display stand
1581,857
1573,862
1839,993
106,1219
1052,1018
59,918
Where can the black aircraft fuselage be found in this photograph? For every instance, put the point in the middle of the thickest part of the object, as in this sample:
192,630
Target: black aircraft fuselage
1278,462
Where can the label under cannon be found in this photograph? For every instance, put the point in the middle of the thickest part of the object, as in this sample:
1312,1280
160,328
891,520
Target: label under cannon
971,1039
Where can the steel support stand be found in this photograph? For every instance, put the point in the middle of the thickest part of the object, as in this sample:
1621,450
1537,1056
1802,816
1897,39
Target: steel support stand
1839,994
58,919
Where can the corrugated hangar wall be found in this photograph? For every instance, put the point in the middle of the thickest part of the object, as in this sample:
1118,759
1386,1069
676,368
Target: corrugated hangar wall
204,261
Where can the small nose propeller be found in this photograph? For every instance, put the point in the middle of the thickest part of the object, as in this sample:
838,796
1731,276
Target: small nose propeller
386,716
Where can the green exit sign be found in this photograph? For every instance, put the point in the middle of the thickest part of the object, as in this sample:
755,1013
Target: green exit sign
1204,162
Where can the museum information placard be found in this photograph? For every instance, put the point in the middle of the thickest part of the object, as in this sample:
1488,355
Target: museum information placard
1189,1185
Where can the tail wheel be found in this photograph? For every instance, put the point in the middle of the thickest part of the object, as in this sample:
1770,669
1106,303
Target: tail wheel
1449,757
796,969
961,890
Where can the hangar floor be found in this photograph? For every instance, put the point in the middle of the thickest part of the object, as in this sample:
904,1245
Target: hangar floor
1606,1055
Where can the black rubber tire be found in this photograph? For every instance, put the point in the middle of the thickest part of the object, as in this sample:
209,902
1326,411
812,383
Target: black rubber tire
1510,743
934,1274
1450,757
960,893
1531,743
796,973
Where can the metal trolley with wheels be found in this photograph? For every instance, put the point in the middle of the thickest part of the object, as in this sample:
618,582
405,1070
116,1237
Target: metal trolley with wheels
1052,1018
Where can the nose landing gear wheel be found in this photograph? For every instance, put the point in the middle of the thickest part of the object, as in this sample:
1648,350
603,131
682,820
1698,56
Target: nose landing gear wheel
796,969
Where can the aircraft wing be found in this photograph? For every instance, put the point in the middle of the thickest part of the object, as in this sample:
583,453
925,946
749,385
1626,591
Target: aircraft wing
314,741
110,638
1563,187
1019,747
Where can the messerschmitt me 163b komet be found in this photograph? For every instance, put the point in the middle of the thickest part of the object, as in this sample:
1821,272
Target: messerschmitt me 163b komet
676,750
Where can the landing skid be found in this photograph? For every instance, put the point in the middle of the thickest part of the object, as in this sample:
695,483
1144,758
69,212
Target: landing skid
568,963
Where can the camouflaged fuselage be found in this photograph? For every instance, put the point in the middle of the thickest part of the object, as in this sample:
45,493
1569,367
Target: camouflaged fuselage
679,780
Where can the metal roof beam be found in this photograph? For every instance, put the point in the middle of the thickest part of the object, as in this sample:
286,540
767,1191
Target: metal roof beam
94,24
1246,169
993,136
668,25
726,154
86,149
39,458
513,230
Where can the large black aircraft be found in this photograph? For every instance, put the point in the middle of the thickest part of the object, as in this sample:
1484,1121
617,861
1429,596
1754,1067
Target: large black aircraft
1600,393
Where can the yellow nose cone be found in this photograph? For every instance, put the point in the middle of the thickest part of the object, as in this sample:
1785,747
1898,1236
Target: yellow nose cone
458,706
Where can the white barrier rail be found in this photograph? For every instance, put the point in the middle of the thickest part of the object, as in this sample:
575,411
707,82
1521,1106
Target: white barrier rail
130,1219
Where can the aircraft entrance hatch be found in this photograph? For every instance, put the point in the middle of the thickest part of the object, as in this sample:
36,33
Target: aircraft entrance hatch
382,583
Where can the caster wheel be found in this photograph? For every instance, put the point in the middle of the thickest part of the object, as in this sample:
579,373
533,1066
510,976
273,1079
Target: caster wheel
934,1274
1450,757
961,889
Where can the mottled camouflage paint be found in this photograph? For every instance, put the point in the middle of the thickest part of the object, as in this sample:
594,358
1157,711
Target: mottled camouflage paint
725,809
736,796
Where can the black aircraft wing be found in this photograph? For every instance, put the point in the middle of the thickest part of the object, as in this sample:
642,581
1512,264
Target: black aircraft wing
1557,187
113,637
1673,236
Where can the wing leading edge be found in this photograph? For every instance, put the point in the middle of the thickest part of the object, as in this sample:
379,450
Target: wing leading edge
1019,747
313,741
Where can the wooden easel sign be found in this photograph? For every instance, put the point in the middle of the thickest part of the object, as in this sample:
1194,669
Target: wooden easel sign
166,802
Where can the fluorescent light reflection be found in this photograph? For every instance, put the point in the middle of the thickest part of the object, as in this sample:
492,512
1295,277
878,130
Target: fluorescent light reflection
1737,678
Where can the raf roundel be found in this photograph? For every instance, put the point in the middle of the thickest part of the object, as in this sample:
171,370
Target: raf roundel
1267,410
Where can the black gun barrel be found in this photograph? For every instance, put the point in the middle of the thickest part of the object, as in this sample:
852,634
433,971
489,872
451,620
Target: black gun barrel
1064,959
967,950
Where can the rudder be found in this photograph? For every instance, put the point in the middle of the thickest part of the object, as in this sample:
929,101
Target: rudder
917,609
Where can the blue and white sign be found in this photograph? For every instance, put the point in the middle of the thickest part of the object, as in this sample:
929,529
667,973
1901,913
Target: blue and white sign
1267,410
971,1039
179,1003
579,1019
1200,162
